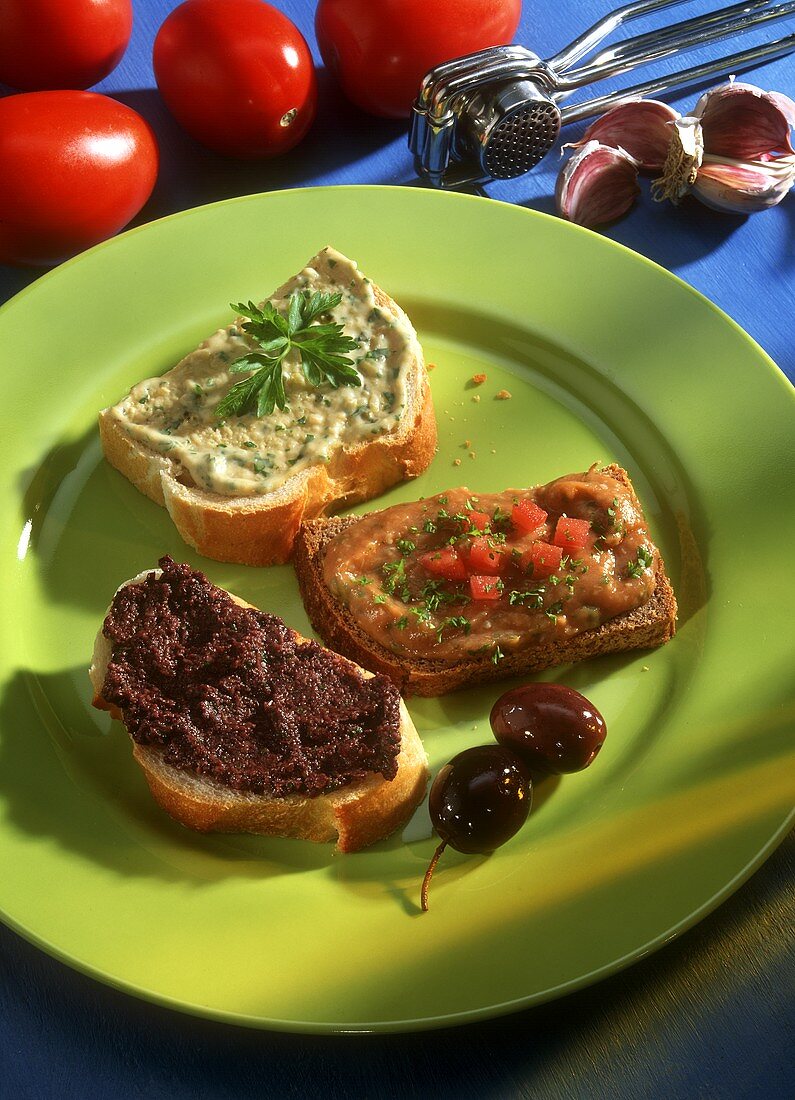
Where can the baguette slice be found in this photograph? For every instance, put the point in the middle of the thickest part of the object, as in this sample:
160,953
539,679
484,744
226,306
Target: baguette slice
260,529
356,815
651,624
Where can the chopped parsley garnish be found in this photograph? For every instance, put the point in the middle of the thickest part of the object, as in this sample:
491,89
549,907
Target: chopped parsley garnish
262,465
402,623
379,599
405,546
644,560
321,349
460,621
499,517
497,655
429,527
395,579
554,610
533,598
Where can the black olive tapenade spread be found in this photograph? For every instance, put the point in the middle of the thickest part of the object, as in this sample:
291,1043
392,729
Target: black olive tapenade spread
230,693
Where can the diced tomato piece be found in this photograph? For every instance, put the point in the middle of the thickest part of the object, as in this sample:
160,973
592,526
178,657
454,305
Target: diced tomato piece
543,558
484,588
445,562
572,534
481,520
527,516
485,558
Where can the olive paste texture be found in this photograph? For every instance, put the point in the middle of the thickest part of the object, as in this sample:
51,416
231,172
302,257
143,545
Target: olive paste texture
231,693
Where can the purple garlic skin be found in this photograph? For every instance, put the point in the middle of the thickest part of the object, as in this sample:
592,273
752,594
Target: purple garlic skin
641,127
744,122
743,187
597,185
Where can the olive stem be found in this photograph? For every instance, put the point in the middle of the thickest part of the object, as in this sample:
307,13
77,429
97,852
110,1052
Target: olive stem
426,882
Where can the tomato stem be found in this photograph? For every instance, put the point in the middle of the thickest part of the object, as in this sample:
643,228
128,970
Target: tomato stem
426,882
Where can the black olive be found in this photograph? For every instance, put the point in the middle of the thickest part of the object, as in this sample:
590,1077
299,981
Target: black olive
551,727
477,802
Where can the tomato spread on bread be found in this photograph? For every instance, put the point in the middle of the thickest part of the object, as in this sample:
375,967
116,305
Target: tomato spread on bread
231,693
249,455
458,575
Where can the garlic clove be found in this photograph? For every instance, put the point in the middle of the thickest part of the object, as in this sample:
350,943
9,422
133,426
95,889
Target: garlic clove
685,153
744,122
597,185
785,105
743,187
642,127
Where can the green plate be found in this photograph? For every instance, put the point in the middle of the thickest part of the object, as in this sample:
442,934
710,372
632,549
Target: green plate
606,356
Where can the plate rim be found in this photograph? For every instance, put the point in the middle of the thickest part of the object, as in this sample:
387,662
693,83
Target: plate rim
425,1023
524,211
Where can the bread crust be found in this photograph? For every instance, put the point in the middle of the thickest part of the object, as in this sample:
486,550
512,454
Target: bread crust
650,625
356,815
261,530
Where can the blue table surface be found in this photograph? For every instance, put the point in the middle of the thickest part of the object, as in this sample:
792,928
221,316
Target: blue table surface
709,1015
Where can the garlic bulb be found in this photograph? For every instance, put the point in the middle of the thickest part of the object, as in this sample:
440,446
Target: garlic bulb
733,153
743,187
641,127
685,154
597,185
744,122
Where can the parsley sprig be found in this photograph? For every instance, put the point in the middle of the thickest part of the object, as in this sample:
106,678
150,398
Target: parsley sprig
321,348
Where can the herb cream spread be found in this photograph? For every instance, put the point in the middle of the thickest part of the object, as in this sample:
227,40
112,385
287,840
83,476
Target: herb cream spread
459,575
176,415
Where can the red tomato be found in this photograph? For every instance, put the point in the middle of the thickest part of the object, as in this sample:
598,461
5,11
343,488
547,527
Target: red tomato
445,562
61,43
75,167
380,50
527,516
481,520
543,558
237,75
486,558
484,587
572,534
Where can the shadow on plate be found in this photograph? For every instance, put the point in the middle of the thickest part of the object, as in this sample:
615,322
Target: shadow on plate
67,774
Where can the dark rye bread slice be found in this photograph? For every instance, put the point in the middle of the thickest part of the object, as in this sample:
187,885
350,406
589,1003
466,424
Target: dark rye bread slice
651,624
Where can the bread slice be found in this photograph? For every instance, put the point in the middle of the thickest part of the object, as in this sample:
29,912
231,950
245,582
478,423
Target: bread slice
260,529
357,815
649,625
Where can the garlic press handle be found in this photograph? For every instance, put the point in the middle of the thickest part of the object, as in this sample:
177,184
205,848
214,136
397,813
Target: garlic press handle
736,62
690,34
585,42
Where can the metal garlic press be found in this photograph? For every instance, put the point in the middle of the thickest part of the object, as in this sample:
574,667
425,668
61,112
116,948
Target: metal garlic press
494,114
